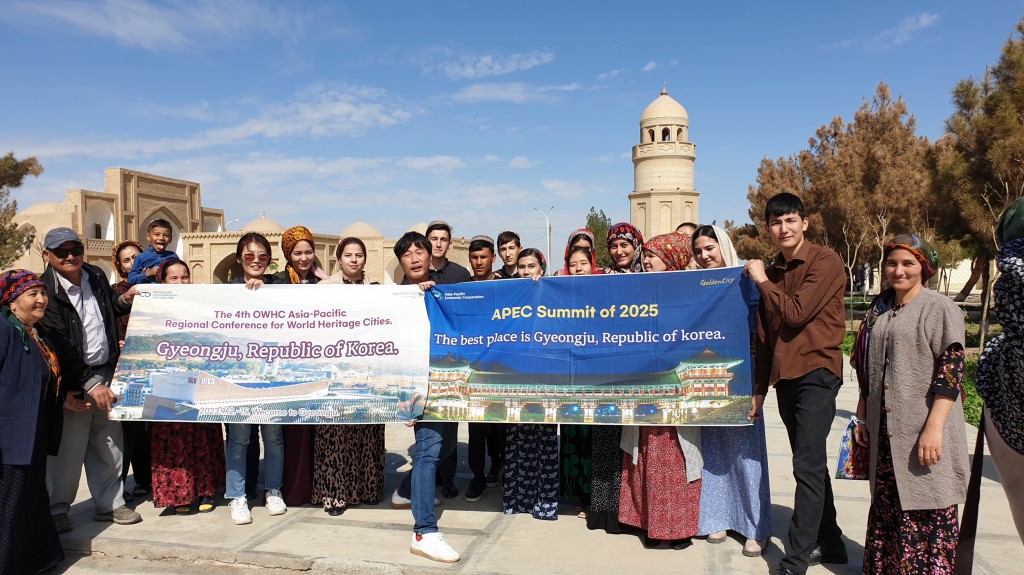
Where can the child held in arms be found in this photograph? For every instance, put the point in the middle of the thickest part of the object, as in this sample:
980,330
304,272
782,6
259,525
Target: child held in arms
159,235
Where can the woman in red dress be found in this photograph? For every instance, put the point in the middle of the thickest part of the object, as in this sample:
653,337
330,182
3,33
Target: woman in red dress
188,458
661,468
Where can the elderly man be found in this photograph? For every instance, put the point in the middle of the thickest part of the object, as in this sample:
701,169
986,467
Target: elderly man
82,321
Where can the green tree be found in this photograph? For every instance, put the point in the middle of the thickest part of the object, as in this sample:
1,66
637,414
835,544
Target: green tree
598,223
13,242
979,163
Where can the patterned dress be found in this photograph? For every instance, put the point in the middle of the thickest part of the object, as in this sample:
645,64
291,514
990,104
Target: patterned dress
735,493
655,495
606,478
531,470
917,541
348,465
188,462
576,464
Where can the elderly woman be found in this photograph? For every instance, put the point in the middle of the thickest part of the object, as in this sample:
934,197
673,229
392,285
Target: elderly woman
661,466
136,433
298,247
625,244
188,458
348,460
909,357
735,495
31,416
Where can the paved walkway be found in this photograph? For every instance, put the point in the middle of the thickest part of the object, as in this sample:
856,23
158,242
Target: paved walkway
375,539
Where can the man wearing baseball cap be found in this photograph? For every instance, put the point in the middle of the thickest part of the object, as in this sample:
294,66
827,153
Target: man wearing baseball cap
81,318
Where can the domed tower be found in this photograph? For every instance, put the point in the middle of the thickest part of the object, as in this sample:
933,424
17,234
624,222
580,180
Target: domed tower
663,195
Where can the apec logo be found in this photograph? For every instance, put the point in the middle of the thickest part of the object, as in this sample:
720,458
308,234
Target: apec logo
436,294
144,294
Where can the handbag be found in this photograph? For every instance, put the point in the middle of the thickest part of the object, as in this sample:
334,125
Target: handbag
853,459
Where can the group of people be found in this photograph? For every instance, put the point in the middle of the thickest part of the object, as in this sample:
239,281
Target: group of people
63,330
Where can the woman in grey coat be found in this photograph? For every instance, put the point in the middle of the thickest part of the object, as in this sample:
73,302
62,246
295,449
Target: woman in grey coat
909,358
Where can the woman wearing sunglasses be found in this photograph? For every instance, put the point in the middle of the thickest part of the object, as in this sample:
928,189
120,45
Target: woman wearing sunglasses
243,454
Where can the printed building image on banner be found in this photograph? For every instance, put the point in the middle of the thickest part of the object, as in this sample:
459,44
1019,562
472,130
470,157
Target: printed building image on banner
652,348
278,354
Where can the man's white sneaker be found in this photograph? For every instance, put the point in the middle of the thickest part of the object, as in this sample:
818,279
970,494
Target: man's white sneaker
275,503
240,511
433,547
399,502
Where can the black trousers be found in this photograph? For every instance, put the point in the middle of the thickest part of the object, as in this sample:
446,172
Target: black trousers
807,406
485,439
137,453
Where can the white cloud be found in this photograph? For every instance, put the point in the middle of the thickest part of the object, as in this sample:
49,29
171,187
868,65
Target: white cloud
610,74
522,163
649,67
322,110
515,92
471,66
563,189
905,31
159,27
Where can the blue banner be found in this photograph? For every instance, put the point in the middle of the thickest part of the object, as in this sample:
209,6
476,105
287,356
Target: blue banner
670,348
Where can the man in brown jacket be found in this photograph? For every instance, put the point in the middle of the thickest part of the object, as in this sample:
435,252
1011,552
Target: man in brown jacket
800,324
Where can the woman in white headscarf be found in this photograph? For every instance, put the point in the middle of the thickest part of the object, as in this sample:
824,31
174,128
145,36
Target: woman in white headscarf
734,493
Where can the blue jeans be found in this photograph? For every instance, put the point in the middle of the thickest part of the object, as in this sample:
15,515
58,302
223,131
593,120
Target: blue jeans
434,442
273,453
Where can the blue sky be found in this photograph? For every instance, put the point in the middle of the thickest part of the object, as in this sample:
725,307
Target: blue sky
327,113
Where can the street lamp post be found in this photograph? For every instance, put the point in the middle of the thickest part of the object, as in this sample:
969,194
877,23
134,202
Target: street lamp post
547,222
229,223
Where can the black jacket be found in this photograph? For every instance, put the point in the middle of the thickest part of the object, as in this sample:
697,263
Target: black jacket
63,326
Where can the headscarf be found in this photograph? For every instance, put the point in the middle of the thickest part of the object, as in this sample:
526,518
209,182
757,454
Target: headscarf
13,283
1011,225
672,248
923,252
926,255
526,252
594,270
1001,365
289,239
117,254
574,237
729,256
628,232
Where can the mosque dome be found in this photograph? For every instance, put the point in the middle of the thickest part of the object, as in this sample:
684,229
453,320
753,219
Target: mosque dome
664,110
263,225
420,227
361,230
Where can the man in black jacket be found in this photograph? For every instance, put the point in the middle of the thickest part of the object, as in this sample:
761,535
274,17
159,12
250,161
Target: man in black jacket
81,320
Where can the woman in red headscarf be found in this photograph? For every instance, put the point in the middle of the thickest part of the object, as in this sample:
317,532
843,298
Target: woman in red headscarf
31,412
624,246
909,357
661,465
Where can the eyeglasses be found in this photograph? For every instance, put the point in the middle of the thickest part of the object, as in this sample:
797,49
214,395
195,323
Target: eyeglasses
61,253
248,257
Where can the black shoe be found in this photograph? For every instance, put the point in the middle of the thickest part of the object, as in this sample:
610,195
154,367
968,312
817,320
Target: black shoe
680,544
834,556
780,570
476,489
335,511
449,489
494,477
